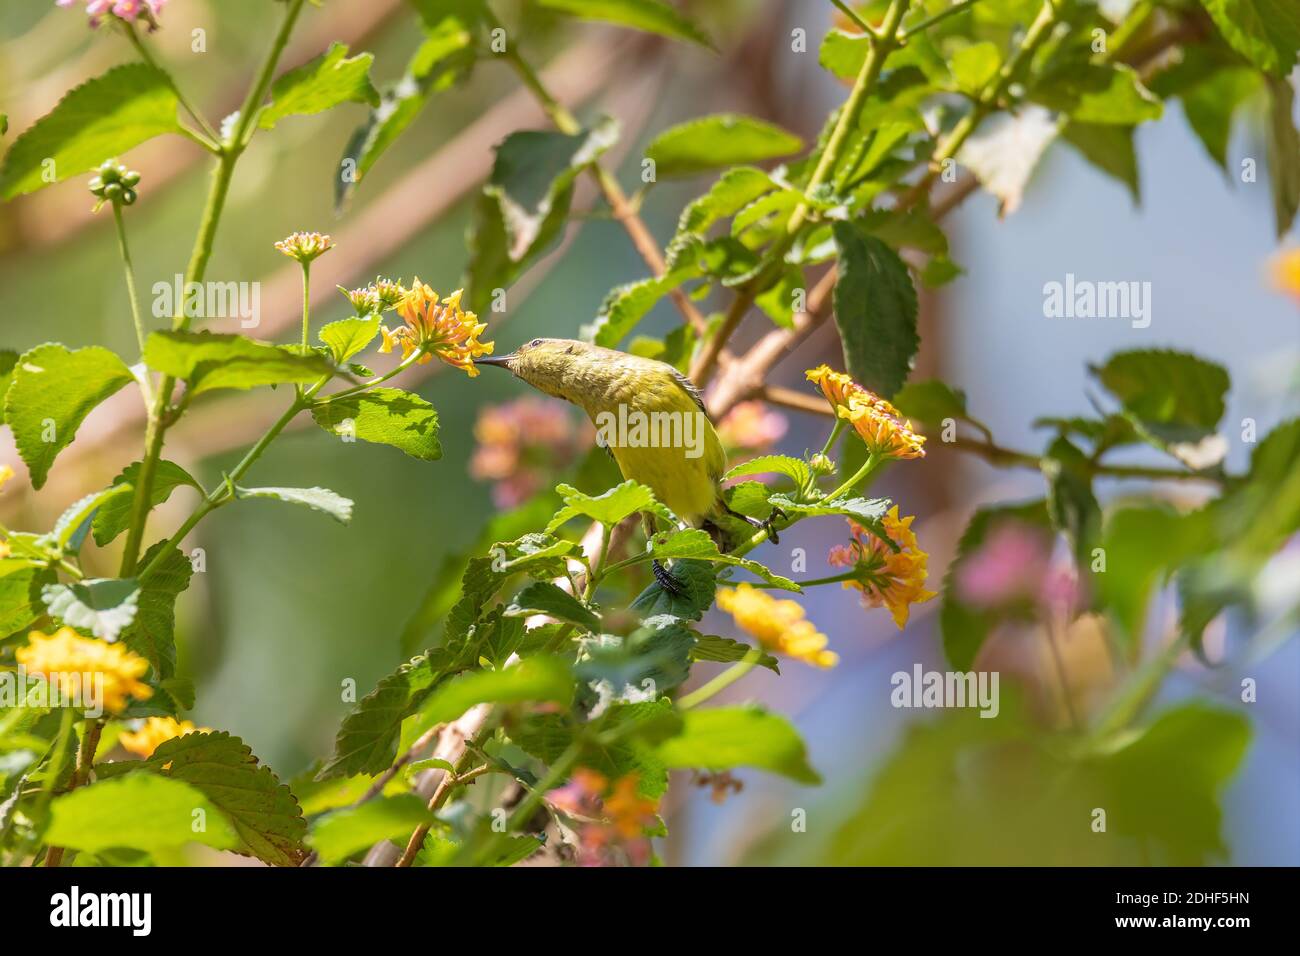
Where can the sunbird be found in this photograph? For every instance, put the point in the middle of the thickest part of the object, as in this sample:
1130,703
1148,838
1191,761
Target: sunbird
677,456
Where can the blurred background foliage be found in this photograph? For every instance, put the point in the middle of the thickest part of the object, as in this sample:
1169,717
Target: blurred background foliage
291,607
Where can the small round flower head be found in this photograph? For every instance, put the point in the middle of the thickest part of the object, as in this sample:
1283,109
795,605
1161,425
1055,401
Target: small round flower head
114,183
145,11
305,246
66,660
390,292
779,625
877,422
438,328
886,578
154,732
364,301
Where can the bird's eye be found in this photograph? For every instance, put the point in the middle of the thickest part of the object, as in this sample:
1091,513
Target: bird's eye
534,343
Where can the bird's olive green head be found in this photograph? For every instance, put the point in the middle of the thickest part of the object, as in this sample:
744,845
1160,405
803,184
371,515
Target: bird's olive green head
550,365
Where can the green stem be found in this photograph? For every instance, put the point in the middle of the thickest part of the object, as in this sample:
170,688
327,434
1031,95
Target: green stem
221,495
156,429
836,429
129,269
724,680
833,579
871,464
306,306
212,139
853,15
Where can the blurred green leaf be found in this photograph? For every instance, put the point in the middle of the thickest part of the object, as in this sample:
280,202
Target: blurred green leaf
711,647
537,679
696,544
724,738
652,16
543,597
875,310
339,834
974,65
140,811
724,139
1109,147
1265,32
1283,143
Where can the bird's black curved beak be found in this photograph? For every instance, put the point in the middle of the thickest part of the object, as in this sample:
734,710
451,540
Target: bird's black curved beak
500,361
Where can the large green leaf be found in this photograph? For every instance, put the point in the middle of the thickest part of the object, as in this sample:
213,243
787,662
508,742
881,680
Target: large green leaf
652,16
1172,396
875,310
723,738
651,660
628,304
525,201
330,79
114,514
712,142
367,740
98,120
385,416
209,360
53,391
263,811
734,190
1109,147
796,469
1095,93
868,512
442,59
340,833
1265,32
696,585
141,811
620,502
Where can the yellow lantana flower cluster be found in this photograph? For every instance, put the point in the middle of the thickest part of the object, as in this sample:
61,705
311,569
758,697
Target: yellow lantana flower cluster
880,425
779,625
886,578
66,660
438,328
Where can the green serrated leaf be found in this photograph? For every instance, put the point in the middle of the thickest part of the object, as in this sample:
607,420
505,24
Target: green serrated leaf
21,584
98,120
620,502
524,204
652,16
264,812
348,337
875,310
724,738
1173,396
330,79
1265,32
367,740
868,512
384,416
696,586
543,597
8,359
209,360
114,514
796,469
728,650
152,633
317,499
53,390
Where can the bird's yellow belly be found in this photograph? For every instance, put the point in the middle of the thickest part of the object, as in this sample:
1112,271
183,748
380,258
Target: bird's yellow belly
682,483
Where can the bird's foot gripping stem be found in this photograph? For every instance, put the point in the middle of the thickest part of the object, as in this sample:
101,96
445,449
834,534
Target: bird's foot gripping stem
666,579
768,524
